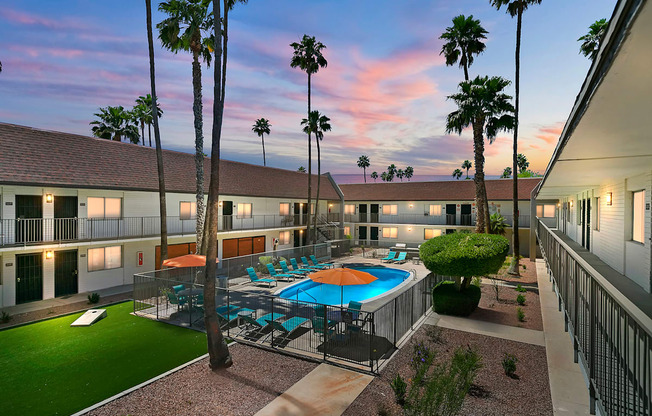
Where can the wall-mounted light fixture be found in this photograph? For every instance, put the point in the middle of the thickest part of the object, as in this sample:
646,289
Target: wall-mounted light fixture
49,198
411,205
301,204
571,204
609,198
220,204
300,231
558,205
330,205
49,254
409,228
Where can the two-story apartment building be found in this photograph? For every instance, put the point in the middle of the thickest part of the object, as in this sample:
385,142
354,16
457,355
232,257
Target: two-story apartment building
80,214
413,212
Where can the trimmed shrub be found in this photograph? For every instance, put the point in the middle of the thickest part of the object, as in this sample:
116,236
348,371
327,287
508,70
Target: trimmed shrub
5,317
447,300
509,364
94,297
520,299
520,314
520,288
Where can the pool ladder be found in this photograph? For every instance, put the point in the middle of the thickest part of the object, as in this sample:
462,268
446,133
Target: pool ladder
413,272
301,290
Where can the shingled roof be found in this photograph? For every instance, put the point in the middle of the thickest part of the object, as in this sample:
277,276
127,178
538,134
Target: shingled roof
497,190
34,157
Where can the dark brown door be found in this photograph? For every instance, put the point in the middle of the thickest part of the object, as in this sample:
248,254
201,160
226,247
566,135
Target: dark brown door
363,212
259,244
29,218
245,246
65,218
374,213
175,250
227,215
29,277
65,273
450,214
229,248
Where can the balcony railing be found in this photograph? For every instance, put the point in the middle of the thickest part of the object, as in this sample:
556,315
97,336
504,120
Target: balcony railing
421,219
612,338
55,230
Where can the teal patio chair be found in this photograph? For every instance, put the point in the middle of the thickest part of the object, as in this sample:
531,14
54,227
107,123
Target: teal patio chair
180,301
286,328
257,326
324,331
286,270
298,268
227,318
255,279
178,288
390,256
306,264
401,258
278,276
317,263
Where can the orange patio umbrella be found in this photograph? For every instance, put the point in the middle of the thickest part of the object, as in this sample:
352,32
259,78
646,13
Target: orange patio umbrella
342,277
189,260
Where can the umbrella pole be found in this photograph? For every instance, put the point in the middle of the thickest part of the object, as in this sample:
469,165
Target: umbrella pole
342,296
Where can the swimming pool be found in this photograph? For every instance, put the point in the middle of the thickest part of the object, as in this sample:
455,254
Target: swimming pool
309,291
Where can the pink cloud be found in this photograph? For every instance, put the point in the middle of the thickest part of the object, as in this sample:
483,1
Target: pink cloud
23,18
550,134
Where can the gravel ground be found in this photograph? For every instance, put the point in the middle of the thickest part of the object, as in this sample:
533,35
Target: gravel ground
493,393
504,311
528,274
256,378
62,310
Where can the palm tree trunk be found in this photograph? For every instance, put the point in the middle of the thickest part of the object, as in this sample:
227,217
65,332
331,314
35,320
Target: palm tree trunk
149,128
142,131
117,137
262,138
157,139
310,237
197,109
514,267
364,173
478,148
218,351
318,187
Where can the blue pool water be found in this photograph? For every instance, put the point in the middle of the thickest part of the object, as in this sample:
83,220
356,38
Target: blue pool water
310,291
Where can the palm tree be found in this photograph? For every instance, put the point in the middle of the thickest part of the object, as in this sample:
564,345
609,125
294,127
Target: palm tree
261,127
385,177
506,173
592,40
374,175
115,123
308,57
301,169
391,172
146,100
516,8
140,114
522,162
463,40
483,104
457,174
400,174
467,165
409,172
316,124
363,162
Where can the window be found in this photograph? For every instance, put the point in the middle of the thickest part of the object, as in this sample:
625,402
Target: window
284,237
596,215
104,207
390,209
284,208
638,225
244,210
349,209
104,258
187,210
545,211
435,210
347,231
312,209
431,233
390,232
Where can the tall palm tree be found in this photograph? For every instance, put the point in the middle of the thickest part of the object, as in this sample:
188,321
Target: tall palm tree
483,104
374,175
363,162
157,138
400,174
522,162
146,100
591,41
188,28
140,114
467,165
391,172
457,174
115,123
385,177
308,57
463,40
262,127
507,172
317,124
515,8
409,172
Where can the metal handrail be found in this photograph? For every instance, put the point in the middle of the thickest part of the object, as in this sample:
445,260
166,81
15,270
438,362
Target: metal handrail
301,290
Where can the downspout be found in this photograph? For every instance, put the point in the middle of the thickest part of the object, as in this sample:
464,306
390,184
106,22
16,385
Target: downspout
341,195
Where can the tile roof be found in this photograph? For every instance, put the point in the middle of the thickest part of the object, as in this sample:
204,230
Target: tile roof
34,157
463,190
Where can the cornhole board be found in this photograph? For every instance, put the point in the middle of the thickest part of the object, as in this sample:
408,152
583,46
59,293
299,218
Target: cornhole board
90,317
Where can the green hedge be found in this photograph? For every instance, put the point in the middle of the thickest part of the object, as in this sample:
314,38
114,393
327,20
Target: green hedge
447,300
465,255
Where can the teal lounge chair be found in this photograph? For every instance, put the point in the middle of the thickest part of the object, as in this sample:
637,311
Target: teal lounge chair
229,317
255,279
286,328
286,270
178,288
400,258
354,306
317,263
390,256
256,326
272,272
307,265
298,268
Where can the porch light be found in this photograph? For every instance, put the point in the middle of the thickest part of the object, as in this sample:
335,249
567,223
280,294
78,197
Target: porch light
571,204
409,228
330,205
300,231
411,205
220,204
48,198
609,198
49,254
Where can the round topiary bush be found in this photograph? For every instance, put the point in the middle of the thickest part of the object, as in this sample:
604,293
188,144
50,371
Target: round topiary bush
447,300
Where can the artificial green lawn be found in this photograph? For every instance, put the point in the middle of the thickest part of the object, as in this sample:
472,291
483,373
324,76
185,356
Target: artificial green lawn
50,368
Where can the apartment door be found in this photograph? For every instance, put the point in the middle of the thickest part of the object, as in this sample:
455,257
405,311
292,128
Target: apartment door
65,273
465,214
29,222
583,221
227,215
174,250
297,216
65,218
362,232
587,223
29,277
362,210
299,238
374,213
450,214
304,213
373,233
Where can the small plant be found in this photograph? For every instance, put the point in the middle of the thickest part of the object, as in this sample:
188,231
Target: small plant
5,317
476,281
94,297
520,299
520,288
400,389
420,355
509,364
524,266
520,314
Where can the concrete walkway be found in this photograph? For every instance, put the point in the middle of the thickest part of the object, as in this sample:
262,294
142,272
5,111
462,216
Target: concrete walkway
327,390
570,396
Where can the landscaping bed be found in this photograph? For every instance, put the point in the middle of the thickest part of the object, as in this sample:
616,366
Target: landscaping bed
504,311
493,393
256,378
528,273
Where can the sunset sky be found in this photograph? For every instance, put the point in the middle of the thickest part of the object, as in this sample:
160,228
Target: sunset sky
384,89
